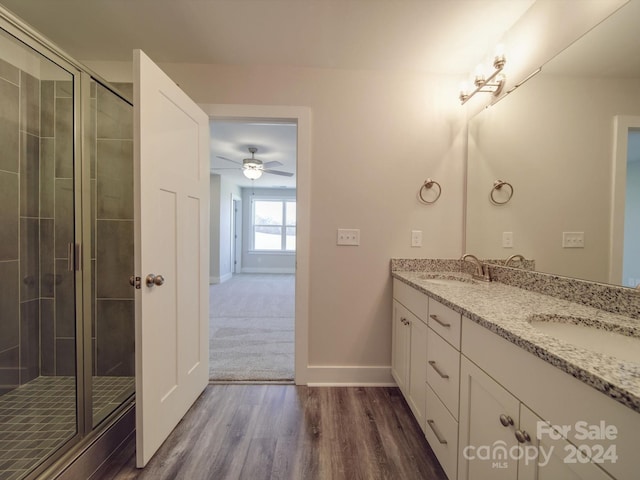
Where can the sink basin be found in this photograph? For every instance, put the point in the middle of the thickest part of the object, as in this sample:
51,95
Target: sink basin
447,278
590,334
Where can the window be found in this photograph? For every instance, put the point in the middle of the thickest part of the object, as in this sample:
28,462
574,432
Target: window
274,225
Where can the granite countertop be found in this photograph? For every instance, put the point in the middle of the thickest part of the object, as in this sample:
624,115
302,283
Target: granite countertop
504,310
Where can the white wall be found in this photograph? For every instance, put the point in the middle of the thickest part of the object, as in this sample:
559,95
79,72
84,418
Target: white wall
253,262
553,140
214,228
376,136
220,228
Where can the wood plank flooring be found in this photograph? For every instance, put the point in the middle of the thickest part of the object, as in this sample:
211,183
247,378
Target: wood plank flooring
287,432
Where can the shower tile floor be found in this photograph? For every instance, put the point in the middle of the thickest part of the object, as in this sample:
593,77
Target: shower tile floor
38,417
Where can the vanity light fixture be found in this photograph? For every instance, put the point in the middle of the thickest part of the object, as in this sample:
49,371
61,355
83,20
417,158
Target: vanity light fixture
491,84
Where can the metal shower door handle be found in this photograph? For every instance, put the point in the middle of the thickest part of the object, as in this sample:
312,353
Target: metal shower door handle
152,280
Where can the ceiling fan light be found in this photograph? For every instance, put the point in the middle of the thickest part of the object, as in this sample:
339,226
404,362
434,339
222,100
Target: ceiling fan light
252,173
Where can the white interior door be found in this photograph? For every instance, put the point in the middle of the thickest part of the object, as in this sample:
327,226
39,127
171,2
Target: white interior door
172,238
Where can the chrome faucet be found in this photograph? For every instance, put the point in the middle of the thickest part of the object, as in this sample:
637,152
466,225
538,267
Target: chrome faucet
517,256
482,271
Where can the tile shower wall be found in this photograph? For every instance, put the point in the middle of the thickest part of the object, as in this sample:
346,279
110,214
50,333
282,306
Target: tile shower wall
37,211
112,254
9,227
37,299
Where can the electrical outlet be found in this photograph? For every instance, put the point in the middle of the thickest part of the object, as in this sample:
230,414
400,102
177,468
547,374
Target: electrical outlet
416,238
572,239
348,236
507,239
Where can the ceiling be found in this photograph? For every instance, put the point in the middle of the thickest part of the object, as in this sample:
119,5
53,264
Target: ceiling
435,36
610,49
274,141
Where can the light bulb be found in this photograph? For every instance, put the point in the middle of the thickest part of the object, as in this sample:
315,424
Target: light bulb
252,173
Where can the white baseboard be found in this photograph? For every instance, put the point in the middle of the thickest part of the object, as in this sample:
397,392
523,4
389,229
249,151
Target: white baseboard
222,279
268,270
349,376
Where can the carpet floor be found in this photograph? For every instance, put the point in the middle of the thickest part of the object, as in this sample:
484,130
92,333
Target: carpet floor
251,320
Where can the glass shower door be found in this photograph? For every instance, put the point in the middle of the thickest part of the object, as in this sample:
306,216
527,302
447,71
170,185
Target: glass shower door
38,326
110,144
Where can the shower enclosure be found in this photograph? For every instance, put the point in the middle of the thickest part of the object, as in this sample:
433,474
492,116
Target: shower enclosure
66,252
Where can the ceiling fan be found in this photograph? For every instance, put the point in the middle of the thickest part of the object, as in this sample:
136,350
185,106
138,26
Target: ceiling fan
253,168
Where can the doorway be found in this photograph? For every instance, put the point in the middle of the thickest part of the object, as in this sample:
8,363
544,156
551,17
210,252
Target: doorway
625,227
300,116
236,234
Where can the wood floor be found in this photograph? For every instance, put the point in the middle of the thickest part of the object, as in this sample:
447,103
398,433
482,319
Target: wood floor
287,432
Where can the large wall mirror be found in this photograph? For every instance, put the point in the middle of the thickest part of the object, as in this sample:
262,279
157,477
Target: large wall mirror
568,141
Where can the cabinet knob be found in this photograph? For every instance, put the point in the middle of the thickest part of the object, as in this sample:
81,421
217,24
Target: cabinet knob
522,436
506,420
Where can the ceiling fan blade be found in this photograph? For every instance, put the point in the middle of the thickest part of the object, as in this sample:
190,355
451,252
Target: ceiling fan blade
226,168
229,160
278,172
274,163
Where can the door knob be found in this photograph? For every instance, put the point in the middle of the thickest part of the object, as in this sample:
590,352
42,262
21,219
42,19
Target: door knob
152,280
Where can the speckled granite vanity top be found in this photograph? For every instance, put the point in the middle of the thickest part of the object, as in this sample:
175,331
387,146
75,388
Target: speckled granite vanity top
506,311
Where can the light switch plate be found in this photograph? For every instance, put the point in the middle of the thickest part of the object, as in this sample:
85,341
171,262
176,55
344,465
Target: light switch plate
507,239
348,236
572,239
416,238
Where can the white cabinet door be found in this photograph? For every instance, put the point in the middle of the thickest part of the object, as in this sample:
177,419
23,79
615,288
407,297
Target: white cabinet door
417,368
400,346
546,458
484,441
172,241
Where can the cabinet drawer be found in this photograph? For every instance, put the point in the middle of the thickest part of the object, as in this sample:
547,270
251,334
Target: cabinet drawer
441,430
411,298
445,321
443,371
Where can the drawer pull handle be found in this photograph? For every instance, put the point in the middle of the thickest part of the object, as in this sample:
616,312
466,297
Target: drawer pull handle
438,371
432,424
506,420
444,324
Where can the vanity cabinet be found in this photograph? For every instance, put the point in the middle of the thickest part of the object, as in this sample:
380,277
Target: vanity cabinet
443,380
409,347
473,391
400,347
488,416
495,371
499,439
556,458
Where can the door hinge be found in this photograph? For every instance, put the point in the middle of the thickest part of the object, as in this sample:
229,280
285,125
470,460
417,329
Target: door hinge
135,282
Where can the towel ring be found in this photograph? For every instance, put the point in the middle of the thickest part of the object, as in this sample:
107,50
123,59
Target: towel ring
427,185
497,185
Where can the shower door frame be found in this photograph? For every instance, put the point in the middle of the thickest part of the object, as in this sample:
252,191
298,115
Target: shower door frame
85,434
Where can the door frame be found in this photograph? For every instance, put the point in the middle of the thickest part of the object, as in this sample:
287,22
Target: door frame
236,234
621,126
301,116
